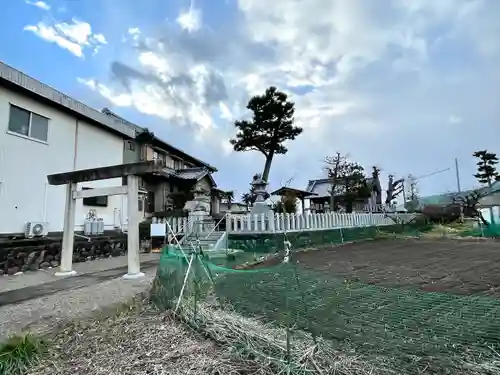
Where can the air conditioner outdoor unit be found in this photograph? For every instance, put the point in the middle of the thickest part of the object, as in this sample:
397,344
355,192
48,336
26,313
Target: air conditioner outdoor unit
36,229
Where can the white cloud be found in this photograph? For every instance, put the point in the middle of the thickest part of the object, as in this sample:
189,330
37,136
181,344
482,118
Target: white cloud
99,38
374,81
75,36
190,20
50,34
39,4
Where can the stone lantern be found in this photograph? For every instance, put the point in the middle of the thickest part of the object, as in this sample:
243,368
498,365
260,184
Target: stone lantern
260,191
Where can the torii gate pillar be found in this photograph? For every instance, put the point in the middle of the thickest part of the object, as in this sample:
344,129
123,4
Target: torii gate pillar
132,171
134,264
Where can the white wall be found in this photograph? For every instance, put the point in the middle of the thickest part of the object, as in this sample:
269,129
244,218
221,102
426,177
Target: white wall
24,165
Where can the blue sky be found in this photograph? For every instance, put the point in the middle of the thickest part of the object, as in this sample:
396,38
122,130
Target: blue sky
407,85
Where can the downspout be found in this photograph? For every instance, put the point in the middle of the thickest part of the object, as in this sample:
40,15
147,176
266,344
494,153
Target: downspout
75,149
45,198
75,154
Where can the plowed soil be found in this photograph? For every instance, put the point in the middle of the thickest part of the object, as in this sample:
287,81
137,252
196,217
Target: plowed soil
453,266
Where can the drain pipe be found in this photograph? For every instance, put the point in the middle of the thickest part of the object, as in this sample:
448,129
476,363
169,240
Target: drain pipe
85,237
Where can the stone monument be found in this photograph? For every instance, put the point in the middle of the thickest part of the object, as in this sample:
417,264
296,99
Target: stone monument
260,190
198,209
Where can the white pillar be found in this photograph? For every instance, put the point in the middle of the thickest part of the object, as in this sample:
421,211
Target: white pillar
134,264
66,267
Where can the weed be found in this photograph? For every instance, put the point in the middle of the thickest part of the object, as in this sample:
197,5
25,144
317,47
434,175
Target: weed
19,353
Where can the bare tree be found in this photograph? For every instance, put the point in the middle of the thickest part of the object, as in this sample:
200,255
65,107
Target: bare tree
334,166
412,193
394,188
469,205
347,179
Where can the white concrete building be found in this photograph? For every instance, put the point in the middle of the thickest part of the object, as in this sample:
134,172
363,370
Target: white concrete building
43,132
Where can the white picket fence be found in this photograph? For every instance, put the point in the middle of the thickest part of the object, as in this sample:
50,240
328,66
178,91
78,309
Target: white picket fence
178,225
288,222
308,221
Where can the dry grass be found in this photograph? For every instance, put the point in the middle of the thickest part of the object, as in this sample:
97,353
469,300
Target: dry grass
138,340
267,344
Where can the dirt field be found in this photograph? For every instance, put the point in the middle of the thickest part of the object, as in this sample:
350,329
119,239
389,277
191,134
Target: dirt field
454,266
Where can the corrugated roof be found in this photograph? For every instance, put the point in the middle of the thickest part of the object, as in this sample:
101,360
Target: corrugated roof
447,198
285,189
191,173
16,79
321,187
194,174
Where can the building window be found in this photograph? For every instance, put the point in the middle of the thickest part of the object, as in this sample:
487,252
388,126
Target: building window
158,156
95,201
178,164
131,146
28,124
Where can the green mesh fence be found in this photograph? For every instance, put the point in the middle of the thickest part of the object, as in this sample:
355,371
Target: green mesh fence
263,243
210,292
480,230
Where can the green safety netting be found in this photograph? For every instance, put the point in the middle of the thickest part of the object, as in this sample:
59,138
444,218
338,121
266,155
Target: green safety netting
211,292
490,230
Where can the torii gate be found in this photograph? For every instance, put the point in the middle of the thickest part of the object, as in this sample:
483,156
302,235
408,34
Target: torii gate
132,172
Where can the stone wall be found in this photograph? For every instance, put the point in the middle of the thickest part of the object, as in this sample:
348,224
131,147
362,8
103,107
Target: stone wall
18,258
272,242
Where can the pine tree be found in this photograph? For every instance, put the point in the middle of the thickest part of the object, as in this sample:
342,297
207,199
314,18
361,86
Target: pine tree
271,126
486,167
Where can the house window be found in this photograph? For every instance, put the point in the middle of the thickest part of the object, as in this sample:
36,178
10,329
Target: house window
131,146
178,164
28,124
95,201
159,156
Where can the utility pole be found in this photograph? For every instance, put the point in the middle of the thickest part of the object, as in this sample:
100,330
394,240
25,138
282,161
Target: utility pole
404,192
457,175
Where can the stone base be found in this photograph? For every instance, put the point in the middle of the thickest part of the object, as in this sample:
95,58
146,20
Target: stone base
260,208
65,273
133,276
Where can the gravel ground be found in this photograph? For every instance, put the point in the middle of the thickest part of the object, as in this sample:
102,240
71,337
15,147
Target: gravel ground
34,278
43,314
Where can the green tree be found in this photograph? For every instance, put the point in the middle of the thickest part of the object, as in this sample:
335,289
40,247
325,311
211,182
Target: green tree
250,197
247,199
348,181
228,198
487,171
335,167
287,204
486,167
271,126
356,187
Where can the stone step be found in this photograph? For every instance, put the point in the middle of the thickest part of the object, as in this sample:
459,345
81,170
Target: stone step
202,239
205,233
